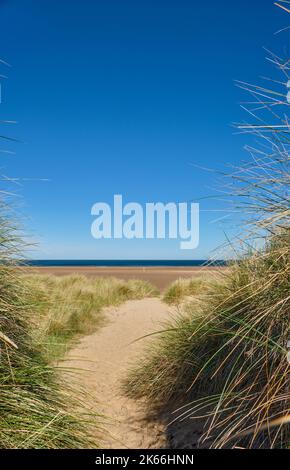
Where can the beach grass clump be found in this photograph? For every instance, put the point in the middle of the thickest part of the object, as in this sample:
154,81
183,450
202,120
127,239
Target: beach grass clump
71,306
183,289
174,358
35,410
225,360
38,408
39,318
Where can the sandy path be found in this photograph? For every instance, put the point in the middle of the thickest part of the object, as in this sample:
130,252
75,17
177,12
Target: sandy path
106,356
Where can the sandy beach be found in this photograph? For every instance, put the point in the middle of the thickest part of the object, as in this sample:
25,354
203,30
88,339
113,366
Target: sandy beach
161,277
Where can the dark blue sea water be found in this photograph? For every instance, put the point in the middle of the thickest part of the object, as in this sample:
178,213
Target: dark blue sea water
126,263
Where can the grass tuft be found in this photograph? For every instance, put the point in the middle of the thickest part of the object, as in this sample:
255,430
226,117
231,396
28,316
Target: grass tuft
35,411
228,351
182,289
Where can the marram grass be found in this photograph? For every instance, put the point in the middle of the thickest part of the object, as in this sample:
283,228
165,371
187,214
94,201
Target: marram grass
226,357
41,316
224,360
35,412
71,306
183,289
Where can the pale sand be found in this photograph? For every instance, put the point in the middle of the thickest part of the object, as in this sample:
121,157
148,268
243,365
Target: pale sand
158,276
104,359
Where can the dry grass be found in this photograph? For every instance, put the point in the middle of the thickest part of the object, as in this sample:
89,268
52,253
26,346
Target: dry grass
183,289
225,359
40,317
226,356
35,411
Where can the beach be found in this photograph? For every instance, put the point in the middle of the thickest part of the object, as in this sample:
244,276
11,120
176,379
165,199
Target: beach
160,277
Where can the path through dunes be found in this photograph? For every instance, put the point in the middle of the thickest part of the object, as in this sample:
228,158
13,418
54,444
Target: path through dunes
105,358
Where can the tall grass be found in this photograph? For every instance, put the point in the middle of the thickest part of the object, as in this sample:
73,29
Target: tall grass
70,306
226,357
36,410
183,289
225,360
40,316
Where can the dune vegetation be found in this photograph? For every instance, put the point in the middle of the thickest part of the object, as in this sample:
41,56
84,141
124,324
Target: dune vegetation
40,317
184,289
35,411
71,306
223,359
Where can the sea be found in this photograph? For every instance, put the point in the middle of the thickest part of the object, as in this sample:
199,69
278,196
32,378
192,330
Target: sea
125,263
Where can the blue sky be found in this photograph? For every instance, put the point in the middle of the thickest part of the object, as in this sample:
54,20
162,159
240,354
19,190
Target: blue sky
125,97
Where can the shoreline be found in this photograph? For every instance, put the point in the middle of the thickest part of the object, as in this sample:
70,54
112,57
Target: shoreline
160,277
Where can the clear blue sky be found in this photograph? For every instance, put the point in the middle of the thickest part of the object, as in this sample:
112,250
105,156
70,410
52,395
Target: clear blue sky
122,97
